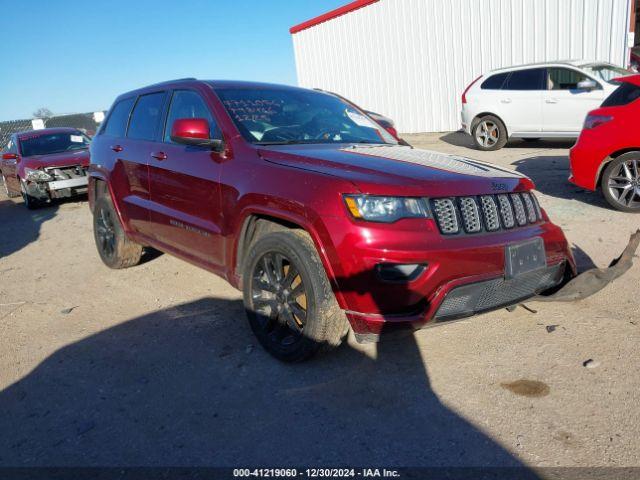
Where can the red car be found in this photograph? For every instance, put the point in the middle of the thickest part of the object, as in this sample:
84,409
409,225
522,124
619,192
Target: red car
607,153
315,211
44,164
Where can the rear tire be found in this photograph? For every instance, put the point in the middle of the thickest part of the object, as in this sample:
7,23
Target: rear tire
489,133
288,298
621,183
115,249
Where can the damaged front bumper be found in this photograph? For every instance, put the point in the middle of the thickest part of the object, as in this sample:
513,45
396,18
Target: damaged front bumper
66,182
592,281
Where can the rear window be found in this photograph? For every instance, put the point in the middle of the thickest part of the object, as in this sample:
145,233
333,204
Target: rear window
623,95
532,79
494,82
146,117
118,118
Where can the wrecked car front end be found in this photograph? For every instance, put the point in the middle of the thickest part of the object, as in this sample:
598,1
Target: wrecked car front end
55,182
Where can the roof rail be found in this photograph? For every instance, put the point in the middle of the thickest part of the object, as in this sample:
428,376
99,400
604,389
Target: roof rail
172,81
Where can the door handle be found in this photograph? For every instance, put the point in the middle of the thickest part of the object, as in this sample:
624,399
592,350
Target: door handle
159,155
551,100
506,100
116,148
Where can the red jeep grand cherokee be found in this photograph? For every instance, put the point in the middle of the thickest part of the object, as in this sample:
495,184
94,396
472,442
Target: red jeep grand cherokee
311,208
45,164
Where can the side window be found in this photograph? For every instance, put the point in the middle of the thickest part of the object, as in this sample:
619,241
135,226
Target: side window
146,117
565,79
623,95
188,104
118,118
531,79
11,146
494,82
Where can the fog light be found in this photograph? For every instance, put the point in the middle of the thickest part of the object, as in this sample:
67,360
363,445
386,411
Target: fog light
399,272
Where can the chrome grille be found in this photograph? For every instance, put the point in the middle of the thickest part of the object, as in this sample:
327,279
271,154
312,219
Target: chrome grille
445,211
531,211
470,215
485,213
536,205
518,206
490,213
506,211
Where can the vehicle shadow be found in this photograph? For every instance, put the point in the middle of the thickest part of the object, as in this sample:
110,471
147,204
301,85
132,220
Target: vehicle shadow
551,173
189,386
461,139
19,226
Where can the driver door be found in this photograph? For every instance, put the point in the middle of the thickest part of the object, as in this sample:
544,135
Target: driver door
184,182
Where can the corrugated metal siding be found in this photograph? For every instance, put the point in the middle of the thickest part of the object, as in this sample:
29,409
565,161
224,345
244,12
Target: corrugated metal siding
412,59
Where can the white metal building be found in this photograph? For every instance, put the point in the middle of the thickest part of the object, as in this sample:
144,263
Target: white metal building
412,59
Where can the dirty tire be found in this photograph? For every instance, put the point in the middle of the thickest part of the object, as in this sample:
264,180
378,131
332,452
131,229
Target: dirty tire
29,201
489,133
115,249
325,325
615,175
9,193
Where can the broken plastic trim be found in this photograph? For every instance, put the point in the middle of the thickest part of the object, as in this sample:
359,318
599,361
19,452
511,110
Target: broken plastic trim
592,281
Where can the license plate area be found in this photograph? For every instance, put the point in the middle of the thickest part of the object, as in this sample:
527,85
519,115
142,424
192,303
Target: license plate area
524,257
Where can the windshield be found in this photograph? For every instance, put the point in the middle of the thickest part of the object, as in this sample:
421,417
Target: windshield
288,116
48,143
606,72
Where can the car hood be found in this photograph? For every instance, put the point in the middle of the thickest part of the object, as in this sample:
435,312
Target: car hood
63,159
382,169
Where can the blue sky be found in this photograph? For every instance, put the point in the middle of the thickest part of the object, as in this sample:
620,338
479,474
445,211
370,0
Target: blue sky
78,56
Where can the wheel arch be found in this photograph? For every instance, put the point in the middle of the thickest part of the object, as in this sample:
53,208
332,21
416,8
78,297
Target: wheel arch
99,185
481,115
609,159
258,222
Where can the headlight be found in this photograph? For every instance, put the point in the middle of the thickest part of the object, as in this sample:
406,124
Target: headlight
385,209
37,175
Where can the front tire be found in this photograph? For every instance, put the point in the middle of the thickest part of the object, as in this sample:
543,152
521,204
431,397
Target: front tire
621,183
288,298
29,201
489,133
115,249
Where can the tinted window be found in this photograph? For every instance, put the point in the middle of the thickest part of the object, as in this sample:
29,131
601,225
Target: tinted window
565,79
494,82
188,104
532,79
118,118
146,117
623,95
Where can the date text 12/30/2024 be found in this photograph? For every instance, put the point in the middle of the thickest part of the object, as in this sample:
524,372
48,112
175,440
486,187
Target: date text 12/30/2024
315,473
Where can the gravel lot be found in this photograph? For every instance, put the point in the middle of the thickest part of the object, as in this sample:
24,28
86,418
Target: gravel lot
156,365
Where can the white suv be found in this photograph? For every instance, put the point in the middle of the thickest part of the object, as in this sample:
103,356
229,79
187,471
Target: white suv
534,101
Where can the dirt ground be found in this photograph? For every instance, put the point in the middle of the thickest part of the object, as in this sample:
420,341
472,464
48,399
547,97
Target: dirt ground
156,365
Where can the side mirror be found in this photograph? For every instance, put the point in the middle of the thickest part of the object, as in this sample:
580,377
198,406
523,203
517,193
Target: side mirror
194,131
587,85
9,156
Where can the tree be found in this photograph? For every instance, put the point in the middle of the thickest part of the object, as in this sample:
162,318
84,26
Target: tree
43,112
